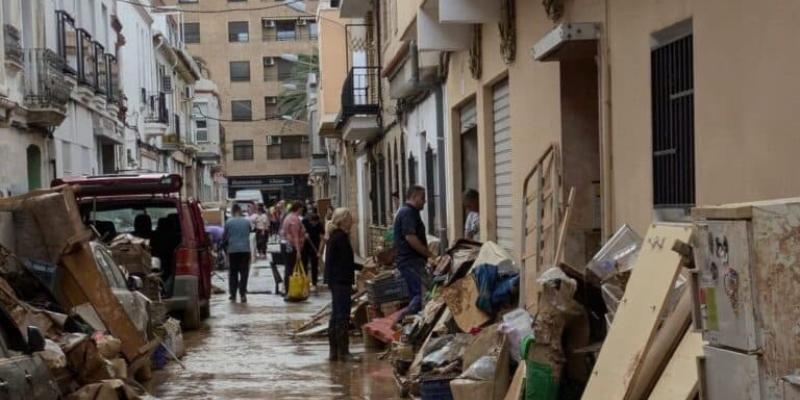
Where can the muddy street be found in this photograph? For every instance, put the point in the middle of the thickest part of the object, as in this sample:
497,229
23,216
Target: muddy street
245,351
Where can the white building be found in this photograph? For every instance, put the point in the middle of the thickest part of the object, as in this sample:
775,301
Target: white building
34,96
210,136
85,33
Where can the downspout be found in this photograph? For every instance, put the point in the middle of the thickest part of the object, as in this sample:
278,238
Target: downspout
440,161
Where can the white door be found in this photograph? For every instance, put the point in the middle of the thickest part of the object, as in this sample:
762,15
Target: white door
501,127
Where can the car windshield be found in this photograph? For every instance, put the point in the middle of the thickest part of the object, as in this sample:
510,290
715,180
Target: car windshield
123,218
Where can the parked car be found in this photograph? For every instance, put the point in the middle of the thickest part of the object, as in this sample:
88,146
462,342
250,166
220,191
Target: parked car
151,206
123,285
23,375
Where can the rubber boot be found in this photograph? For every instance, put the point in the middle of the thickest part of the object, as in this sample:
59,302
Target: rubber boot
344,345
333,342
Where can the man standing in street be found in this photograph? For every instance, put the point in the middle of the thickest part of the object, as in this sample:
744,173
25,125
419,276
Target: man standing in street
236,240
411,244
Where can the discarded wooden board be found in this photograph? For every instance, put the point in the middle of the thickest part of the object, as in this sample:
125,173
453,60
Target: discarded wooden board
679,381
667,339
517,387
89,315
461,298
634,326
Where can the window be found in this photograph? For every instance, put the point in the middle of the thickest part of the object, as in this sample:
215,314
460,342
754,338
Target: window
113,78
268,30
67,41
672,92
101,69
287,147
286,30
238,31
240,71
86,67
187,1
270,69
201,129
313,30
285,69
270,107
242,150
191,32
241,110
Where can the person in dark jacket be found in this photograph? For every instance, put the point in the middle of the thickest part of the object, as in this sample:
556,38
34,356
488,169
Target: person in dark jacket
339,274
314,232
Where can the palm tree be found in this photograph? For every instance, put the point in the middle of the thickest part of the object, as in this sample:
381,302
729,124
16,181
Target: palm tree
294,98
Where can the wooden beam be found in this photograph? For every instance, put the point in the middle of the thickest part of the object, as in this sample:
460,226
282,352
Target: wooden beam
638,313
680,380
562,234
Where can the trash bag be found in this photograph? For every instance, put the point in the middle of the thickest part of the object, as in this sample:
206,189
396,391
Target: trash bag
516,325
481,370
299,284
494,289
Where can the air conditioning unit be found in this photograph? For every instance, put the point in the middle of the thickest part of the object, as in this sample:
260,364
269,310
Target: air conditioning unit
268,23
269,61
166,83
272,100
302,22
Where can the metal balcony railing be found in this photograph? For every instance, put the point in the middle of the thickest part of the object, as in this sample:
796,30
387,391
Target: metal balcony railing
12,44
157,111
45,84
361,94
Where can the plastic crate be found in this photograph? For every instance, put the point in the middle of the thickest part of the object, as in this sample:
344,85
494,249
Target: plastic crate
436,389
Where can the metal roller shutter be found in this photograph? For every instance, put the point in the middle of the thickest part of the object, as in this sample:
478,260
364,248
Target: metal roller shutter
501,126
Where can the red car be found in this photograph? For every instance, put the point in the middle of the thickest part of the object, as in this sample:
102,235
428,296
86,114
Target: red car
150,205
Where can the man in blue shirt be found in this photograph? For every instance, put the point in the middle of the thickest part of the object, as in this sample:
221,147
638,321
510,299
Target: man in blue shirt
411,245
236,240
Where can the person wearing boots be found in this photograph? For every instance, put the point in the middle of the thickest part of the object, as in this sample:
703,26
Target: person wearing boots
339,274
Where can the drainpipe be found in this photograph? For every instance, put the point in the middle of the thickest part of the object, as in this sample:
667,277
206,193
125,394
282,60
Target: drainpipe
440,161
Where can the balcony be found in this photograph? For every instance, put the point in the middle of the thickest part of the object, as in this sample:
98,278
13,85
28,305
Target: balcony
156,115
12,43
47,91
319,164
360,104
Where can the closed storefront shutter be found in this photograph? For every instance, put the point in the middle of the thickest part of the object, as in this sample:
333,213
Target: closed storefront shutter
502,164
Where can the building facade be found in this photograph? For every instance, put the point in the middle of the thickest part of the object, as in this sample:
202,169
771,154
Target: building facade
251,50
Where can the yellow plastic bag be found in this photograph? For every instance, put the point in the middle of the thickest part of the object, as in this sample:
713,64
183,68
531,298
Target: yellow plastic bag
299,284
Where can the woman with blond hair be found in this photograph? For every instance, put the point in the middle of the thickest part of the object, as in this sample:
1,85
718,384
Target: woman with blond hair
340,270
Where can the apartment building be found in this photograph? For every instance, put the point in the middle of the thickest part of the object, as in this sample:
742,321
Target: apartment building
251,49
645,108
210,137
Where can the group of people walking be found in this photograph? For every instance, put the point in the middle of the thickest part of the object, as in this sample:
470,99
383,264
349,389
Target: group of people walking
302,234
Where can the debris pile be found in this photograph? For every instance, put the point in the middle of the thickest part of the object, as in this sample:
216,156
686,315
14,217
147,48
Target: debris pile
95,333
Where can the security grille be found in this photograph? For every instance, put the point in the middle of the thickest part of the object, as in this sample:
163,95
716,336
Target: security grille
673,124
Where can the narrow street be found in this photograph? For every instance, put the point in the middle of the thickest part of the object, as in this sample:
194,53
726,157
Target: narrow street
245,351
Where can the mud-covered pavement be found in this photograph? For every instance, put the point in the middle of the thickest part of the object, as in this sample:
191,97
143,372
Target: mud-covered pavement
245,351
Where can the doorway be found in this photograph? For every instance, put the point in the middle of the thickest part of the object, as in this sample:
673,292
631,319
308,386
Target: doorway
34,159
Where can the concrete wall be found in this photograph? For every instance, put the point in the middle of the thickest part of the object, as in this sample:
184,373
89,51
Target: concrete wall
746,83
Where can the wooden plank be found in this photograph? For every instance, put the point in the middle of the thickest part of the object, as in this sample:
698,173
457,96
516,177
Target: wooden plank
515,390
666,341
562,234
638,313
680,380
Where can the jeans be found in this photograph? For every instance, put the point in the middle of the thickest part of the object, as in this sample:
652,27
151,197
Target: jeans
311,261
412,272
340,307
289,258
238,272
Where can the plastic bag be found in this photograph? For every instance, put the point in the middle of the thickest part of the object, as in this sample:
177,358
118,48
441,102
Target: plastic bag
483,369
299,284
516,326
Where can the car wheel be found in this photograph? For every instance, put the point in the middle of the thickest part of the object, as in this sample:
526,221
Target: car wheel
205,310
191,316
